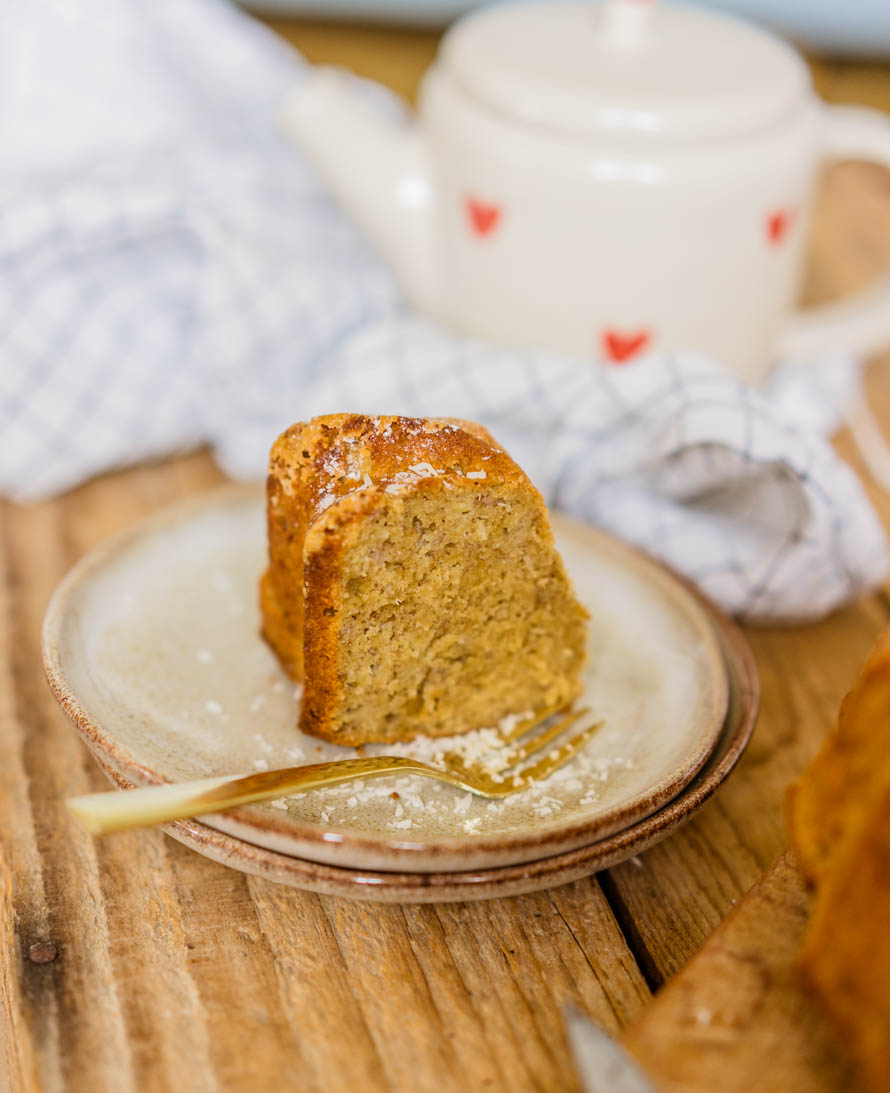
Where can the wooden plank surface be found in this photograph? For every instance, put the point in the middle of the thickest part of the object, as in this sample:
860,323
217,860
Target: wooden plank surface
175,973
736,1018
131,963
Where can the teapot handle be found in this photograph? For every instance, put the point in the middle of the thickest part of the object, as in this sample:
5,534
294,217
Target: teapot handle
859,323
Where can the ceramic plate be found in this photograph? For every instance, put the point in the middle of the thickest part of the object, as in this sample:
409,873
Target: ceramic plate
151,644
514,880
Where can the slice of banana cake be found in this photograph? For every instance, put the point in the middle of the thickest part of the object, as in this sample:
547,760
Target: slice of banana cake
413,584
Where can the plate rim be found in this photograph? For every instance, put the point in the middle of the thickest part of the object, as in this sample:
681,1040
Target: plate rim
246,825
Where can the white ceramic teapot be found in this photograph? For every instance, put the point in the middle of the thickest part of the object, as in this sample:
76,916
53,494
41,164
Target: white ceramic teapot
603,178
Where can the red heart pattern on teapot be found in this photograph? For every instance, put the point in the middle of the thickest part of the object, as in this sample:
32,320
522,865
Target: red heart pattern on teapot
777,224
484,216
620,347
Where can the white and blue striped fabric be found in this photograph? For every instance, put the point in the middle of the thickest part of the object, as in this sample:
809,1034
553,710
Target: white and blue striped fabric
172,274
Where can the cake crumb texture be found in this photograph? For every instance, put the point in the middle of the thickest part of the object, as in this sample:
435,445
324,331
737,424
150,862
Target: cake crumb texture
413,584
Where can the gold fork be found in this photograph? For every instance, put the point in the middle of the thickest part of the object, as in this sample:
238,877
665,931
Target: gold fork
115,811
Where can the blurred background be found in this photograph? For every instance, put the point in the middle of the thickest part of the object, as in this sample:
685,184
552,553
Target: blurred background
176,286
848,43
163,245
854,27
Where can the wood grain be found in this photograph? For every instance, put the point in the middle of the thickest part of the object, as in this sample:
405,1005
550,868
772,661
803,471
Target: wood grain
737,1019
173,973
20,1061
682,889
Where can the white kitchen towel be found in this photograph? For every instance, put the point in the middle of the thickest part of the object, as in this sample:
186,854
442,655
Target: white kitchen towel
172,273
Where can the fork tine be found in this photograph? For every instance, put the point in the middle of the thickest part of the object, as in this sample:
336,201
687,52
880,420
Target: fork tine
511,756
532,722
556,758
519,752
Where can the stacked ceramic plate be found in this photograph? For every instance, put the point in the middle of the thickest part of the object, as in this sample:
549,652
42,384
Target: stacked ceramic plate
152,646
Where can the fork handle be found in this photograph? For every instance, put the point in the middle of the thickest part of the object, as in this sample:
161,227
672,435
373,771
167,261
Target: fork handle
101,813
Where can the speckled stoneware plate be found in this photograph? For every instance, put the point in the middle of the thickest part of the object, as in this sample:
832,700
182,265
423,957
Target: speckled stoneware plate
151,645
512,880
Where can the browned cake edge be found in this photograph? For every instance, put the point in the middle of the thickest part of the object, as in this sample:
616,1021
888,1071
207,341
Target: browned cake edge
838,816
325,476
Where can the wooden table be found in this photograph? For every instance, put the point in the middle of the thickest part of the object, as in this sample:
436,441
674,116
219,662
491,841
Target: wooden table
133,964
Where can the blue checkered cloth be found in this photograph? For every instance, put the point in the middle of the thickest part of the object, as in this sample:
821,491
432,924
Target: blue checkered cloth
173,274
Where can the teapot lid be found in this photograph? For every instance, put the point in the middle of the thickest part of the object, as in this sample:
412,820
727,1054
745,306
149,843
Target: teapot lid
632,67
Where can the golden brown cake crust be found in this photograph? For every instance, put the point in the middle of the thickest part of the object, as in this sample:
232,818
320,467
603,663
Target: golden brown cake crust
312,466
326,478
849,769
839,819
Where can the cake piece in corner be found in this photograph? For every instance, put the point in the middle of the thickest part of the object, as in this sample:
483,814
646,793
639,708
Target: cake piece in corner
413,584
